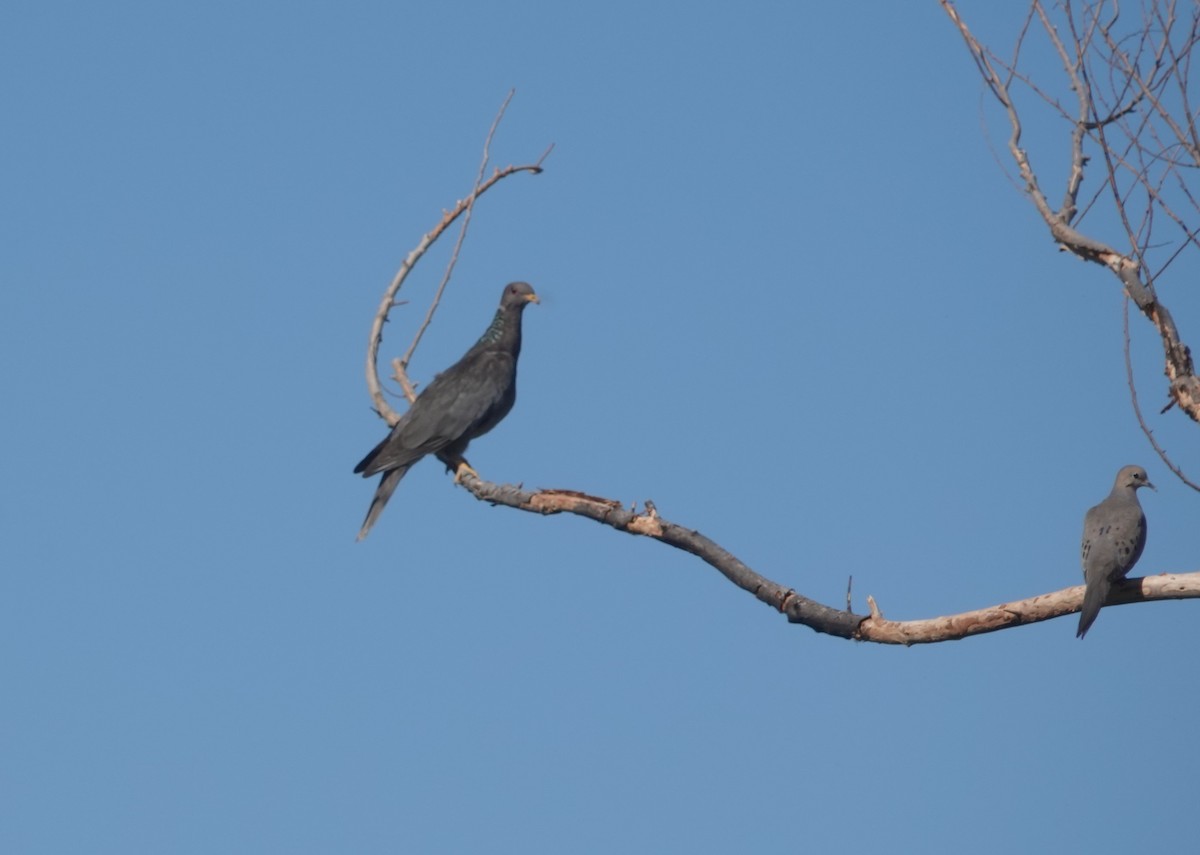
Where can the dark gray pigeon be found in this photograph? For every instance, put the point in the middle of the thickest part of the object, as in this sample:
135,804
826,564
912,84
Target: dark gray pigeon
465,401
1114,534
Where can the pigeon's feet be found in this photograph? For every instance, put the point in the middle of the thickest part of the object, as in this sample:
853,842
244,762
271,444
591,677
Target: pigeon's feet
463,469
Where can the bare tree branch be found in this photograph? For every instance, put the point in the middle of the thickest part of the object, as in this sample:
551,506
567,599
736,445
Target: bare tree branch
1122,122
1166,586
800,609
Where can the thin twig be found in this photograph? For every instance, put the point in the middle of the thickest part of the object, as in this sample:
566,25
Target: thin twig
462,235
1137,409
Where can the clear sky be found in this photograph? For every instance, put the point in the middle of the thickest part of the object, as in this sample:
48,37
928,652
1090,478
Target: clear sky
789,294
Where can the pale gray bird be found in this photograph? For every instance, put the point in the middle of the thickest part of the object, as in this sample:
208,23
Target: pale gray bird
1114,534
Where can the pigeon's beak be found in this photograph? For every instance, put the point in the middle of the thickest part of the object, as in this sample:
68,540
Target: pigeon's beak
1151,486
532,298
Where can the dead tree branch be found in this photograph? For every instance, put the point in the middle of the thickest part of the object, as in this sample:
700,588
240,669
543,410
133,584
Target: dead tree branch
800,609
1145,137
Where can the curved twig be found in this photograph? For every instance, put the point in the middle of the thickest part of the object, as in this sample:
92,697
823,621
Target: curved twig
800,609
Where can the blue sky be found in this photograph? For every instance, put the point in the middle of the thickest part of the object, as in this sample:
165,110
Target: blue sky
789,295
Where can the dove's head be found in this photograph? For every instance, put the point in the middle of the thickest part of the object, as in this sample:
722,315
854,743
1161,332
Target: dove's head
1134,477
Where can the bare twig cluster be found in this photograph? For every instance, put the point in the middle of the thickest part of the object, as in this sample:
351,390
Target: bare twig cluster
1123,98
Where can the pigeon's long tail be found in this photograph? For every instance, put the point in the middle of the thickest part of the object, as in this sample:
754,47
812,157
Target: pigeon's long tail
387,486
1093,599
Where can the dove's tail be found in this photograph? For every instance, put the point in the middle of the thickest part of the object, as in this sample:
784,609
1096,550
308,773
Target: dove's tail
1093,599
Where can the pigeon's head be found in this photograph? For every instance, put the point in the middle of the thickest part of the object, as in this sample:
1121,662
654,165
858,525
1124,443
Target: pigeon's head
518,295
1134,477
